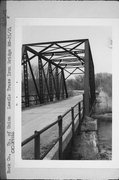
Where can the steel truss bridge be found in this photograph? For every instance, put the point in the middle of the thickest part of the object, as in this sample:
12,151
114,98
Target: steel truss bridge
56,61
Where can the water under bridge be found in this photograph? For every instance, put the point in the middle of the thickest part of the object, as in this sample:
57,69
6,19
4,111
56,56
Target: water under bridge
45,98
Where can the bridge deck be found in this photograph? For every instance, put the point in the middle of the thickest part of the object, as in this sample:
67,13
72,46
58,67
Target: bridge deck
39,117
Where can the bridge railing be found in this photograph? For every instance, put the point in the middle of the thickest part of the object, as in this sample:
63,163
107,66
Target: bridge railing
74,115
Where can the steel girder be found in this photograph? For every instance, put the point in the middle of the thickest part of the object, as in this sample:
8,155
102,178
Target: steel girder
57,61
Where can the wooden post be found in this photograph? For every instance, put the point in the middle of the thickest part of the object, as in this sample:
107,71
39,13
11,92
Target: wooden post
37,146
83,107
86,79
72,115
79,111
60,137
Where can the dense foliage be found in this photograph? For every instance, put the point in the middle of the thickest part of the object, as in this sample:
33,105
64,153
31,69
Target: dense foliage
76,84
102,81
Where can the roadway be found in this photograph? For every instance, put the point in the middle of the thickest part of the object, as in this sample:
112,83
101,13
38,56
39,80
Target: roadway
39,117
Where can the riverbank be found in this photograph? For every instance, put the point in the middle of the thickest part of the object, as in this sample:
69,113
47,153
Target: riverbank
105,139
103,114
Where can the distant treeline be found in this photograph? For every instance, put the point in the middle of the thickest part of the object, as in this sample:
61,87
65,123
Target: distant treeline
76,84
102,81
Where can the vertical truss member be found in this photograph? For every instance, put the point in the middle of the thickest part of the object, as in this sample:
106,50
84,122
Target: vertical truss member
40,80
26,88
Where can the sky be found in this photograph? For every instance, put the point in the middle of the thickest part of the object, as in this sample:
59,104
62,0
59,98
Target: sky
99,38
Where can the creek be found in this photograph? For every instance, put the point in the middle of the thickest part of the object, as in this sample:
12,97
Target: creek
105,139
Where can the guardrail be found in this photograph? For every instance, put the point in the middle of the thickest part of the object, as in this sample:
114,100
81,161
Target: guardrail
75,113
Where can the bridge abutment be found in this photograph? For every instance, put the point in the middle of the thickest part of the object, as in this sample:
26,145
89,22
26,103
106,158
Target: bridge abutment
86,144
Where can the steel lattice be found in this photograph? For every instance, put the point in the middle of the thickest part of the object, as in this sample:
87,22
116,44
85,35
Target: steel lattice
56,62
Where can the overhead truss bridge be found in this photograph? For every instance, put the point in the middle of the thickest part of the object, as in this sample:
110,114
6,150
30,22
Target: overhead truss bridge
56,61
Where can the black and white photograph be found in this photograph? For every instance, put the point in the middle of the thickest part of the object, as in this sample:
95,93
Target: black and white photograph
67,93
59,90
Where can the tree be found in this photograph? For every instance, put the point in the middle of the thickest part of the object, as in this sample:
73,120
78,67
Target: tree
104,81
76,84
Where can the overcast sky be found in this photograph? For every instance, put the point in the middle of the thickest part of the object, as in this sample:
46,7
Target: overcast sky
99,37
